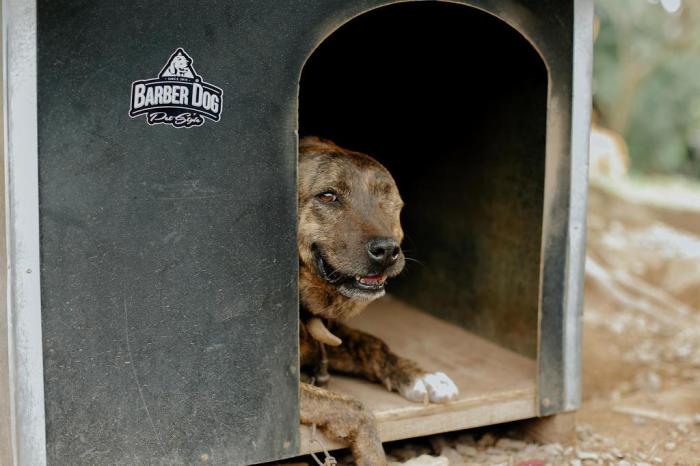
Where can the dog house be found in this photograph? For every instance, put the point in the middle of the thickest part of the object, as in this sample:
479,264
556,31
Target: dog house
151,306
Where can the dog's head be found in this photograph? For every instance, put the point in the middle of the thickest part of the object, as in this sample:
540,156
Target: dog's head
349,232
180,63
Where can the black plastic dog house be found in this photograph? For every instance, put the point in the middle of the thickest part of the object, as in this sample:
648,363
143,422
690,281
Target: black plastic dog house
150,192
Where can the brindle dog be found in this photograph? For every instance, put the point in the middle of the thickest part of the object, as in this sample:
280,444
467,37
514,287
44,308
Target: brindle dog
349,237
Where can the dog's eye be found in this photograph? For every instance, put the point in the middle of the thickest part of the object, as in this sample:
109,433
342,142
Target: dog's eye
328,197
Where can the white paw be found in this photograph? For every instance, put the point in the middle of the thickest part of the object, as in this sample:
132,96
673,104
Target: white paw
436,388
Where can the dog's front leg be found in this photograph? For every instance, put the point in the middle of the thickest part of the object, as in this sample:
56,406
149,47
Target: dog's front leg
367,356
343,419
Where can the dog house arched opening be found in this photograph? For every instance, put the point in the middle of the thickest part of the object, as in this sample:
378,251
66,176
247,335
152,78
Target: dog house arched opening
453,101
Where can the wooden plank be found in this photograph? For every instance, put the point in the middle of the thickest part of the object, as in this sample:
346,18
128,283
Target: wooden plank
558,428
496,385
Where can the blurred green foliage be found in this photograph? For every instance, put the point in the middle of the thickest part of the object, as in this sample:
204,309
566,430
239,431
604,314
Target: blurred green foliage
647,81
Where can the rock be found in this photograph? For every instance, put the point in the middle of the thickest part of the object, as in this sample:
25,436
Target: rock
452,455
488,440
468,439
583,432
467,450
531,449
510,444
438,443
425,460
406,452
553,449
587,455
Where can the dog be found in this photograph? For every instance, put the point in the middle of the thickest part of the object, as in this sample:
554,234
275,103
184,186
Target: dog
179,67
349,241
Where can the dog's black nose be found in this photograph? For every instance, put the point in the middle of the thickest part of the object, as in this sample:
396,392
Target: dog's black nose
383,251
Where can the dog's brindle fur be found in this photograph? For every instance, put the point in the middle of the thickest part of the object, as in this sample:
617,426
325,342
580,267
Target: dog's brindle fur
367,205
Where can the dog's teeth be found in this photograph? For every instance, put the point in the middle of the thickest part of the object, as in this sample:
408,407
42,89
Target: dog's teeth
371,280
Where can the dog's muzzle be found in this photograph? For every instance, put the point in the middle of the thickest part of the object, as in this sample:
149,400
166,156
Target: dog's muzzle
352,286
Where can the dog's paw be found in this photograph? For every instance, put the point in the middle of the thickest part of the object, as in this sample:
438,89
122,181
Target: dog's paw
436,388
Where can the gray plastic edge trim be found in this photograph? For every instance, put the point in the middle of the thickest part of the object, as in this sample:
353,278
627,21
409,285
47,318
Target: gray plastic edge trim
23,311
576,254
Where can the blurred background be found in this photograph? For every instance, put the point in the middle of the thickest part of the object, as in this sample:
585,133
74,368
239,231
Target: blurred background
641,373
646,82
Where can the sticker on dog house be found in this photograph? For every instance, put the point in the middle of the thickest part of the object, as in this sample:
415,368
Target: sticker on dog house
178,96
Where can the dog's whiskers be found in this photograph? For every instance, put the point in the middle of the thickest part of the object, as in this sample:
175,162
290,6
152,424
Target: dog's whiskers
411,259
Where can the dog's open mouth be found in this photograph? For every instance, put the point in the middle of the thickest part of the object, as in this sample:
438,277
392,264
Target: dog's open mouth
351,286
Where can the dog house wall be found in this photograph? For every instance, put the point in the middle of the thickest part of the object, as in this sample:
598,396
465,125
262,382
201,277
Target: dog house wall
152,294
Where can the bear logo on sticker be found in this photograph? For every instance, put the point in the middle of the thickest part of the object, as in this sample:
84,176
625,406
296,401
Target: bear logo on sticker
177,97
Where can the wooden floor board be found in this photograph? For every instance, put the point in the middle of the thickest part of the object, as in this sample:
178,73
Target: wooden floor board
496,385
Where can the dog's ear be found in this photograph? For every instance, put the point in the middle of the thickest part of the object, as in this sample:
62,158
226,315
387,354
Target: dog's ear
317,144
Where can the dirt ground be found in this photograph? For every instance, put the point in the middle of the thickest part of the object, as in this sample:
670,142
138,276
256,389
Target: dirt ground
641,348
